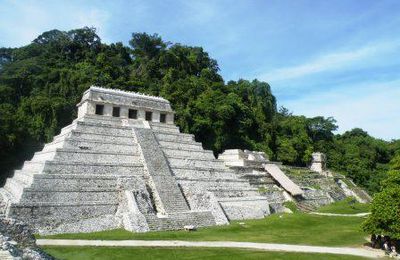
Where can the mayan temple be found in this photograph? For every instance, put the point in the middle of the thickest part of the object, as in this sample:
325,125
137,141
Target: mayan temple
124,164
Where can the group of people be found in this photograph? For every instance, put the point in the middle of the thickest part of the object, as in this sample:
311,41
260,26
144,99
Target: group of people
385,243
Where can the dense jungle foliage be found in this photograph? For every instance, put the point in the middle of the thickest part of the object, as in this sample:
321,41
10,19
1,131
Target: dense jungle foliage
41,83
385,209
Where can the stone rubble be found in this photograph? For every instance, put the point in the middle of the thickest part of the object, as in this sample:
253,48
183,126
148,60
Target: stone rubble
18,242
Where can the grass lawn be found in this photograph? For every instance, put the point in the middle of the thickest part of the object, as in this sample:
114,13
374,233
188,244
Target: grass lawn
109,253
297,228
346,206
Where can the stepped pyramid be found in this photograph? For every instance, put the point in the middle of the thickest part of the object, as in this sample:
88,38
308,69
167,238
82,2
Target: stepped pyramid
124,164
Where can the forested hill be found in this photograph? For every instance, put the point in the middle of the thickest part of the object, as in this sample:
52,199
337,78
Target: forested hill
41,83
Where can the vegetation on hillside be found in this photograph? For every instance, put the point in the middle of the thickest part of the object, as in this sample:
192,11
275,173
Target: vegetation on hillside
40,84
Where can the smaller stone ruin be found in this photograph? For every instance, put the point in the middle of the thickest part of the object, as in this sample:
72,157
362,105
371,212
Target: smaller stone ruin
309,188
318,163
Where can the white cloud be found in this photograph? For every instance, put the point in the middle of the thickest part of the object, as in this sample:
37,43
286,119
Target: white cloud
329,61
21,22
94,18
373,107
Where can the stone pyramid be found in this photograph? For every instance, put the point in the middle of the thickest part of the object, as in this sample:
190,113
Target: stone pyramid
124,164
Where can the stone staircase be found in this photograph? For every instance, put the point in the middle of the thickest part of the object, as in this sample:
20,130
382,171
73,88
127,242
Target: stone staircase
197,171
262,181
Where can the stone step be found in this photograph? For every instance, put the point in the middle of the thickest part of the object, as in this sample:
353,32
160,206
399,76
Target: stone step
61,137
72,155
114,121
66,182
244,200
216,181
68,128
220,185
24,176
94,145
232,193
78,134
178,221
193,163
164,136
32,196
204,173
194,146
163,125
165,129
104,129
31,166
111,120
44,156
48,213
83,168
6,197
203,154
53,145
170,194
14,187
248,207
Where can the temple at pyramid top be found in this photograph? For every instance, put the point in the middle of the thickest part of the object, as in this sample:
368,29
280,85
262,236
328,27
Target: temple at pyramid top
124,104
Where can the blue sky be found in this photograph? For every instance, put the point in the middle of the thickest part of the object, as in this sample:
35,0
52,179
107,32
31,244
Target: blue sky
335,58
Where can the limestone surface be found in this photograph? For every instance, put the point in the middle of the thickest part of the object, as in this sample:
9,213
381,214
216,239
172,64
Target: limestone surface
124,164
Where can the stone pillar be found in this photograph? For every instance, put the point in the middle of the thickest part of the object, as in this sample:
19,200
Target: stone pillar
123,112
318,163
170,118
156,116
141,114
107,110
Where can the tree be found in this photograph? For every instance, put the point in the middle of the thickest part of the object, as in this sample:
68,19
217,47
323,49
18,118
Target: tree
385,209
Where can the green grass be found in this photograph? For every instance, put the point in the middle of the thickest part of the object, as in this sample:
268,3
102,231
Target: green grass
291,205
109,253
346,206
298,228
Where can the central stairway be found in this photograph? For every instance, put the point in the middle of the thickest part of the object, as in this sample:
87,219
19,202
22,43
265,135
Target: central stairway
198,173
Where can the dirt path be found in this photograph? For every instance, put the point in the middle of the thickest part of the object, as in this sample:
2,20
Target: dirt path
340,215
370,253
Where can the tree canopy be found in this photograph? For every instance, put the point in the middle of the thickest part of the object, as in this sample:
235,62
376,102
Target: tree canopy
385,208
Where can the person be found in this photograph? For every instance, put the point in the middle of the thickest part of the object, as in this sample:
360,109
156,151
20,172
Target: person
393,252
386,247
373,240
378,244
